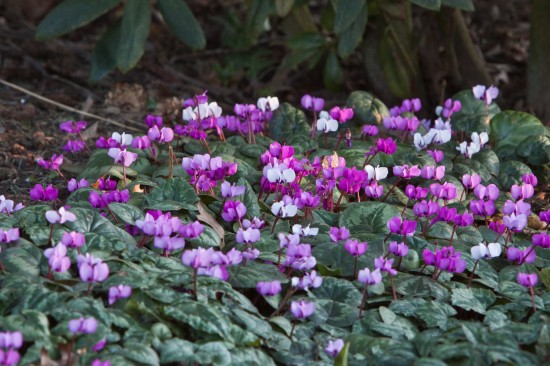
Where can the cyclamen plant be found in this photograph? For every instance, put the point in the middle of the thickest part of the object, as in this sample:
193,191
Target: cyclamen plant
248,247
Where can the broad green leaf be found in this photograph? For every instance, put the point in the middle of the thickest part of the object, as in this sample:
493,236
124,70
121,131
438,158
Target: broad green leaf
466,5
428,4
419,286
351,36
345,14
332,74
182,22
126,212
140,353
473,115
176,350
435,313
509,129
33,324
23,259
288,121
369,217
511,172
335,257
495,319
172,195
212,353
250,356
536,150
306,47
70,15
475,299
201,317
133,33
248,276
338,290
394,65
250,199
335,313
367,108
104,54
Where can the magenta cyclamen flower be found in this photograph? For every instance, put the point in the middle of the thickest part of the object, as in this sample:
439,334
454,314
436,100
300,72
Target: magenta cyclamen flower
73,184
92,269
385,265
341,114
74,146
334,347
432,172
9,235
396,225
369,277
60,216
527,279
522,192
415,193
302,309
39,193
398,249
119,292
426,209
57,258
9,357
152,120
165,134
541,240
53,164
233,211
406,172
519,256
268,288
13,340
465,219
98,362
311,279
487,192
471,181
369,130
192,230
73,239
530,178
83,325
355,248
482,208
386,146
337,234
73,127
437,155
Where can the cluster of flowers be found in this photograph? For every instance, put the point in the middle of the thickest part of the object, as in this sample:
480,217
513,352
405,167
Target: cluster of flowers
209,262
117,145
169,232
74,129
10,342
205,172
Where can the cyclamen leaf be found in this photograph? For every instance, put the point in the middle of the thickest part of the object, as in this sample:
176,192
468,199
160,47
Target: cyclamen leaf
70,15
172,195
133,33
475,299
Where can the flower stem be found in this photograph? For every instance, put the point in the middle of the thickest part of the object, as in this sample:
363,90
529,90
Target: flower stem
195,284
391,189
452,235
363,300
51,234
532,293
289,293
292,329
274,224
472,274
393,288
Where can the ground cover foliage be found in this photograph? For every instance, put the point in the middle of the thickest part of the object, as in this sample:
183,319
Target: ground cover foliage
181,246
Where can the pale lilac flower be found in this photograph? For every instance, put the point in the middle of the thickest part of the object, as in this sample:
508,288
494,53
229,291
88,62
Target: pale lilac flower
247,236
302,309
385,265
73,184
268,104
229,190
57,258
377,173
83,325
9,235
519,256
369,277
119,292
337,234
327,125
268,288
234,257
524,191
312,103
53,164
334,347
60,216
355,248
92,269
165,134
515,222
471,181
404,171
7,206
398,249
284,208
486,94
286,240
12,340
308,280
123,157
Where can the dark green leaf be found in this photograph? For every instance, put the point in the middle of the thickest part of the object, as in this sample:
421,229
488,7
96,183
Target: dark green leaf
509,129
172,195
288,121
70,15
367,109
176,350
200,317
511,172
250,199
345,14
351,36
369,217
23,259
332,74
248,276
395,65
141,353
342,358
182,22
133,33
428,4
256,16
473,115
338,290
104,55
535,149
466,5
435,313
283,7
126,212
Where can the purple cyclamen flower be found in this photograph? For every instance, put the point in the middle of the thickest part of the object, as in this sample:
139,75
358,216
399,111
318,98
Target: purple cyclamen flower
73,127
60,216
465,219
141,142
39,193
299,257
437,155
152,120
234,257
386,146
9,357
165,134
255,223
192,230
341,114
515,222
119,292
57,258
486,94
482,208
337,234
426,208
53,164
99,345
229,190
398,249
406,172
529,178
73,239
249,235
83,325
524,191
334,347
312,103
311,279
286,240
490,192
541,240
9,235
527,279
415,193
446,259
197,258
73,184
302,309
396,225
374,190
519,256
471,181
432,172
385,265
369,277
355,248
445,191
13,340
369,130
74,146
92,269
233,211
122,156
268,288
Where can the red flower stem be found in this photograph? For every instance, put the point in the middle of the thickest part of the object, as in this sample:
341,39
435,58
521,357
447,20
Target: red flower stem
363,300
195,284
399,263
452,235
472,274
391,189
89,289
289,293
51,234
274,223
393,288
405,207
338,202
338,142
355,267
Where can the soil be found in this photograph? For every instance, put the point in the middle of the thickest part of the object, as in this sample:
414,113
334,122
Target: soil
59,70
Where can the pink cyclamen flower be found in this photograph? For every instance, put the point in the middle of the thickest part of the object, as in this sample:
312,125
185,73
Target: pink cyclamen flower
302,309
486,94
99,345
7,206
471,181
386,146
98,362
334,347
341,114
312,103
398,249
385,265
527,279
369,130
249,235
92,269
524,191
233,211
57,258
53,164
74,146
122,156
268,288
337,234
355,248
73,239
12,340
73,184
229,190
530,178
73,127
369,277
437,155
83,325
60,216
165,134
404,171
541,240
310,279
9,357
119,292
9,235
152,120
141,142
519,256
